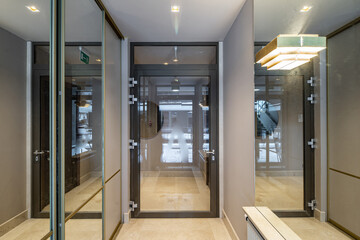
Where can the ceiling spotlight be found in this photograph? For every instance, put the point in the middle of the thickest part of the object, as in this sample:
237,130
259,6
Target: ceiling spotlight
175,9
98,60
33,9
166,63
175,60
305,9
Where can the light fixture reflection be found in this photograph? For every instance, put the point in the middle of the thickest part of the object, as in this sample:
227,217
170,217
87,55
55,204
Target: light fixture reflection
287,52
175,85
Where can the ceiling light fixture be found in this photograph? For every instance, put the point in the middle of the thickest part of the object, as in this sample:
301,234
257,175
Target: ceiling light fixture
166,63
287,52
98,60
175,85
175,58
33,9
305,9
175,9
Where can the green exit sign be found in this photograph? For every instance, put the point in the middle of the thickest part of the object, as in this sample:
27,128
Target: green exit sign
84,57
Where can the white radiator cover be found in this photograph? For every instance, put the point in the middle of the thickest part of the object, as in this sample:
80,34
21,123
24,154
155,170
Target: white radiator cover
252,233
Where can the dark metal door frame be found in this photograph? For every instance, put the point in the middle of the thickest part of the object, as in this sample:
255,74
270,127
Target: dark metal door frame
175,70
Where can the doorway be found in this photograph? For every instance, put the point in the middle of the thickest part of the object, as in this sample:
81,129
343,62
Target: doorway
174,128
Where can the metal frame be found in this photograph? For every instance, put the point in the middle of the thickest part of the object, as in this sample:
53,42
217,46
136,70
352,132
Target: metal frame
179,70
308,133
333,34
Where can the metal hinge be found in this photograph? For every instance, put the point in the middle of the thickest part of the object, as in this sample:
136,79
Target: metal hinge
312,142
312,204
132,206
132,82
132,144
311,99
311,81
132,99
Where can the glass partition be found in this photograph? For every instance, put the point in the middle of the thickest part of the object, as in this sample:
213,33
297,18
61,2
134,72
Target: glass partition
83,113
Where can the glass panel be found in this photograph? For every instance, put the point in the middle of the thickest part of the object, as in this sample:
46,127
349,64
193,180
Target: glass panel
83,107
279,142
175,55
174,133
24,138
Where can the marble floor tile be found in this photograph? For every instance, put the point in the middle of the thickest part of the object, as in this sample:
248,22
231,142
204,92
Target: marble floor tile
174,229
174,191
311,229
279,192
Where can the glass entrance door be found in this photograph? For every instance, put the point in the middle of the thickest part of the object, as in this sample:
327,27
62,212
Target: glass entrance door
174,163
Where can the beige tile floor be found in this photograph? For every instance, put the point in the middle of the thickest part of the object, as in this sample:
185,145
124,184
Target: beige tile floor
279,192
77,196
160,191
174,229
75,229
312,229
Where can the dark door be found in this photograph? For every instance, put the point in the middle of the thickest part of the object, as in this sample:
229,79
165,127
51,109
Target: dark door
174,166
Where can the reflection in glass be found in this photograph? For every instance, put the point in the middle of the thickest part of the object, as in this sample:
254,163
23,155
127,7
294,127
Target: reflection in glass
174,136
279,142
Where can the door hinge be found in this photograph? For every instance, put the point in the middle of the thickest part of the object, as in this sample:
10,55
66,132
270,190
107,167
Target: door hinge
312,143
311,81
132,99
132,206
132,144
312,204
311,98
132,82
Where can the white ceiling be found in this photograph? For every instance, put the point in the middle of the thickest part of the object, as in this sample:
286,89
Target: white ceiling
274,17
152,20
199,20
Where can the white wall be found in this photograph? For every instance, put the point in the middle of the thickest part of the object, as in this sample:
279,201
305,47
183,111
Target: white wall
239,173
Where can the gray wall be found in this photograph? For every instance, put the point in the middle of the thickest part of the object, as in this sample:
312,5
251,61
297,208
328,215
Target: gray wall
344,128
12,125
239,172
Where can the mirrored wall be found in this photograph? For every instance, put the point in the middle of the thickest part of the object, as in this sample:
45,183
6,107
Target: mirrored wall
88,192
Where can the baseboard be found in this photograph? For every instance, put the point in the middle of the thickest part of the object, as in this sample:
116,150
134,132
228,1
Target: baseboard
229,227
127,217
116,231
287,173
320,215
13,222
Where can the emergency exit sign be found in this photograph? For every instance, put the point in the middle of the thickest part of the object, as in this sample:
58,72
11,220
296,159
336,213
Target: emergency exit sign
84,57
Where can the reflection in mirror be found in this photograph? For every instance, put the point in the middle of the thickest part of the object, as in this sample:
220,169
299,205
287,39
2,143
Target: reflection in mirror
84,107
24,146
174,134
78,228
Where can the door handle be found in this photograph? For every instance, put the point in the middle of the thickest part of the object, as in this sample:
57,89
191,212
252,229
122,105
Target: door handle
211,152
38,152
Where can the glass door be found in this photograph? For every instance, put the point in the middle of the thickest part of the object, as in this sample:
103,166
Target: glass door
174,164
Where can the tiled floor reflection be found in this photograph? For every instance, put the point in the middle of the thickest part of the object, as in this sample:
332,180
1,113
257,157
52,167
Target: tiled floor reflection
310,229
76,229
280,192
174,191
174,229
77,196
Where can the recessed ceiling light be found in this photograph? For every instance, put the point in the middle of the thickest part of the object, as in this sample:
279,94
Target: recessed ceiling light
175,9
165,63
305,9
175,60
98,60
33,8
